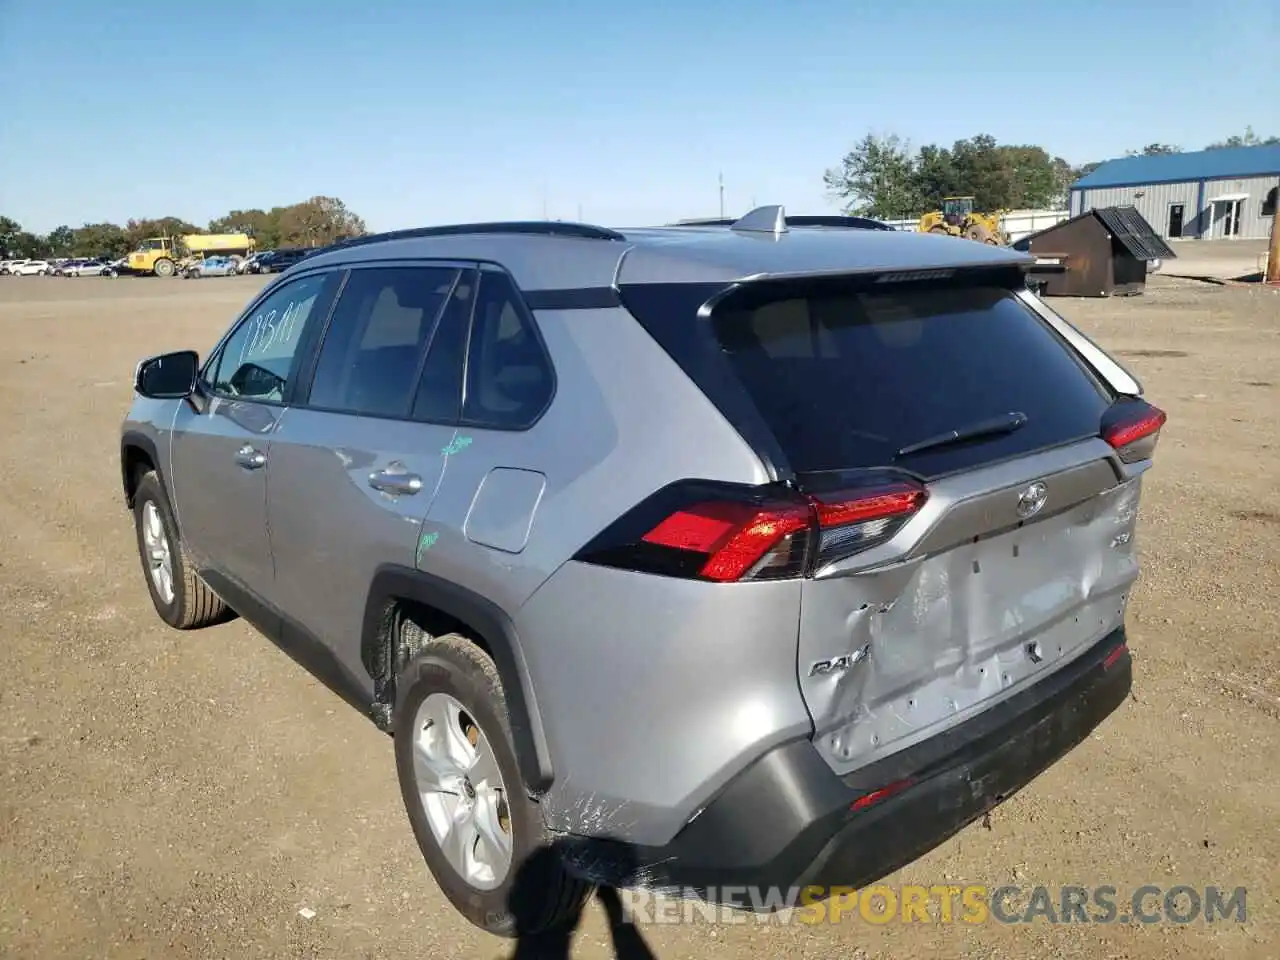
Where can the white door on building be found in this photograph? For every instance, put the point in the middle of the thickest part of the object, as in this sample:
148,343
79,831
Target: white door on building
1225,214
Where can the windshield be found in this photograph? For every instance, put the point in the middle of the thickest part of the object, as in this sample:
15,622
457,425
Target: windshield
153,243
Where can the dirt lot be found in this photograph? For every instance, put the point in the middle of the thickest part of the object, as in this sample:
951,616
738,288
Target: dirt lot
173,795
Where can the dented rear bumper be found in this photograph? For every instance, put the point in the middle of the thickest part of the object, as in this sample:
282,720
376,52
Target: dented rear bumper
788,822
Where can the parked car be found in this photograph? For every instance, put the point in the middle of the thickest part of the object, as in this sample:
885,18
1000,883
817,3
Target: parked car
116,268
30,268
277,261
211,267
78,267
6,266
563,508
247,264
87,268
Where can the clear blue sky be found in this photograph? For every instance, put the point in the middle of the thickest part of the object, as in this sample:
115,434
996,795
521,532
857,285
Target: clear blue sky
422,112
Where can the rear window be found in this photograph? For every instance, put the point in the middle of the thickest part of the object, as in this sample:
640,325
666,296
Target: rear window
847,380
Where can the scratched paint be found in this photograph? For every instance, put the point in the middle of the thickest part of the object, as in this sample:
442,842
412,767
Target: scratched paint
459,444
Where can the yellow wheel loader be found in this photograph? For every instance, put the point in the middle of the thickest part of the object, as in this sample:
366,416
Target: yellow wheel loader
957,218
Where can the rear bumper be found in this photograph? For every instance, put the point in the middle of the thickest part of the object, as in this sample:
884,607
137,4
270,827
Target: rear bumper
788,822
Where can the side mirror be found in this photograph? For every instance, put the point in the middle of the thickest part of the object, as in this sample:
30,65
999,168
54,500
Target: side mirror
170,376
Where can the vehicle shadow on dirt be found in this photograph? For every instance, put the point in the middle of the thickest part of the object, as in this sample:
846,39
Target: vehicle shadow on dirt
628,944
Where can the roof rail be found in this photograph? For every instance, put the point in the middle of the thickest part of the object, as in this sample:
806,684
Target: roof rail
821,220
542,228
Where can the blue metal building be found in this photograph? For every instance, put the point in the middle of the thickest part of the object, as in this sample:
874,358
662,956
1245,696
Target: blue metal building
1205,195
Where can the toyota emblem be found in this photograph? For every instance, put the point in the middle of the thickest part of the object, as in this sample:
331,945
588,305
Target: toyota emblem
1031,500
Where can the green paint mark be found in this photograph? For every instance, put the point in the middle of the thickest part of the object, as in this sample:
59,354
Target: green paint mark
458,444
425,543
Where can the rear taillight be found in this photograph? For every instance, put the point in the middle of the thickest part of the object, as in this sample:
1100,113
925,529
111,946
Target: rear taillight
727,534
856,521
1133,427
739,541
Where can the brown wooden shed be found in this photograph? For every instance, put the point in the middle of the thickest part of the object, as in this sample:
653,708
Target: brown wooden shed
1103,252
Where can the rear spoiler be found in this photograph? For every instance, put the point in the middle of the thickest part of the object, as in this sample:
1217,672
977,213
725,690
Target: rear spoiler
773,219
1017,276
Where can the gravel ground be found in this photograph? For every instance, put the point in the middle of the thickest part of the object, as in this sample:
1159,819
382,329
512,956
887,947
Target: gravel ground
185,795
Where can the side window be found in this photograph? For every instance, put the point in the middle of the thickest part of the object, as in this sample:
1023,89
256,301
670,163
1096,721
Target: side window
509,375
1269,203
258,360
440,386
372,353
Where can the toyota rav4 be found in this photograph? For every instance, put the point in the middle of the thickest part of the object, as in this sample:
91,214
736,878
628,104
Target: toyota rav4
767,553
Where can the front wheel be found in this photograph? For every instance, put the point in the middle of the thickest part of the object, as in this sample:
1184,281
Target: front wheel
483,838
182,599
164,268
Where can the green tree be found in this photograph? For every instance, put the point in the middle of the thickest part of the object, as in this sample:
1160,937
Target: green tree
936,177
1033,177
1154,150
985,172
60,241
100,240
29,245
1247,139
264,227
9,228
1063,175
876,178
317,222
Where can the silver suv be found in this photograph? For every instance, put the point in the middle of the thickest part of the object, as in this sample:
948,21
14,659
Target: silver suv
765,554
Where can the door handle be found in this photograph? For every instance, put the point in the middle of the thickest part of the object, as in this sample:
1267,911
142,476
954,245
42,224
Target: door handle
251,459
391,481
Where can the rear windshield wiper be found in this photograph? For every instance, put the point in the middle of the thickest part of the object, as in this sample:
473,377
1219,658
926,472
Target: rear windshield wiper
1005,423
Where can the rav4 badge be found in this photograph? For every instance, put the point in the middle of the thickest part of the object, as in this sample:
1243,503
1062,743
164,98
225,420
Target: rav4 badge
841,663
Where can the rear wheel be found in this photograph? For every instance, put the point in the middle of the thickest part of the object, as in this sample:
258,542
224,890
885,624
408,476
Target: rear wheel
164,267
482,836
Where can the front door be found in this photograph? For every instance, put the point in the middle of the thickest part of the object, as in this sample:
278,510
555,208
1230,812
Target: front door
1175,220
220,487
355,467
222,445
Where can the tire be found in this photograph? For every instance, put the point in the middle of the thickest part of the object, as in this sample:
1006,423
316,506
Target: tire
979,233
190,603
535,894
164,268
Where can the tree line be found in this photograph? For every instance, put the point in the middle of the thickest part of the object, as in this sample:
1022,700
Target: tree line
883,176
311,223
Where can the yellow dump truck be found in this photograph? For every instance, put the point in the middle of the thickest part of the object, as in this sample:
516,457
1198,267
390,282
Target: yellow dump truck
163,255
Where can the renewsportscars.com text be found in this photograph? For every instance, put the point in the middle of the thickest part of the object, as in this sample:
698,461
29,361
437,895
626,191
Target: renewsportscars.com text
944,903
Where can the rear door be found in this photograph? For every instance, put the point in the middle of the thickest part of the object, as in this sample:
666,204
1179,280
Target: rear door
989,560
975,530
355,466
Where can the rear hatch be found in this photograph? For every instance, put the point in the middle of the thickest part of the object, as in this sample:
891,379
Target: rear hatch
973,516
